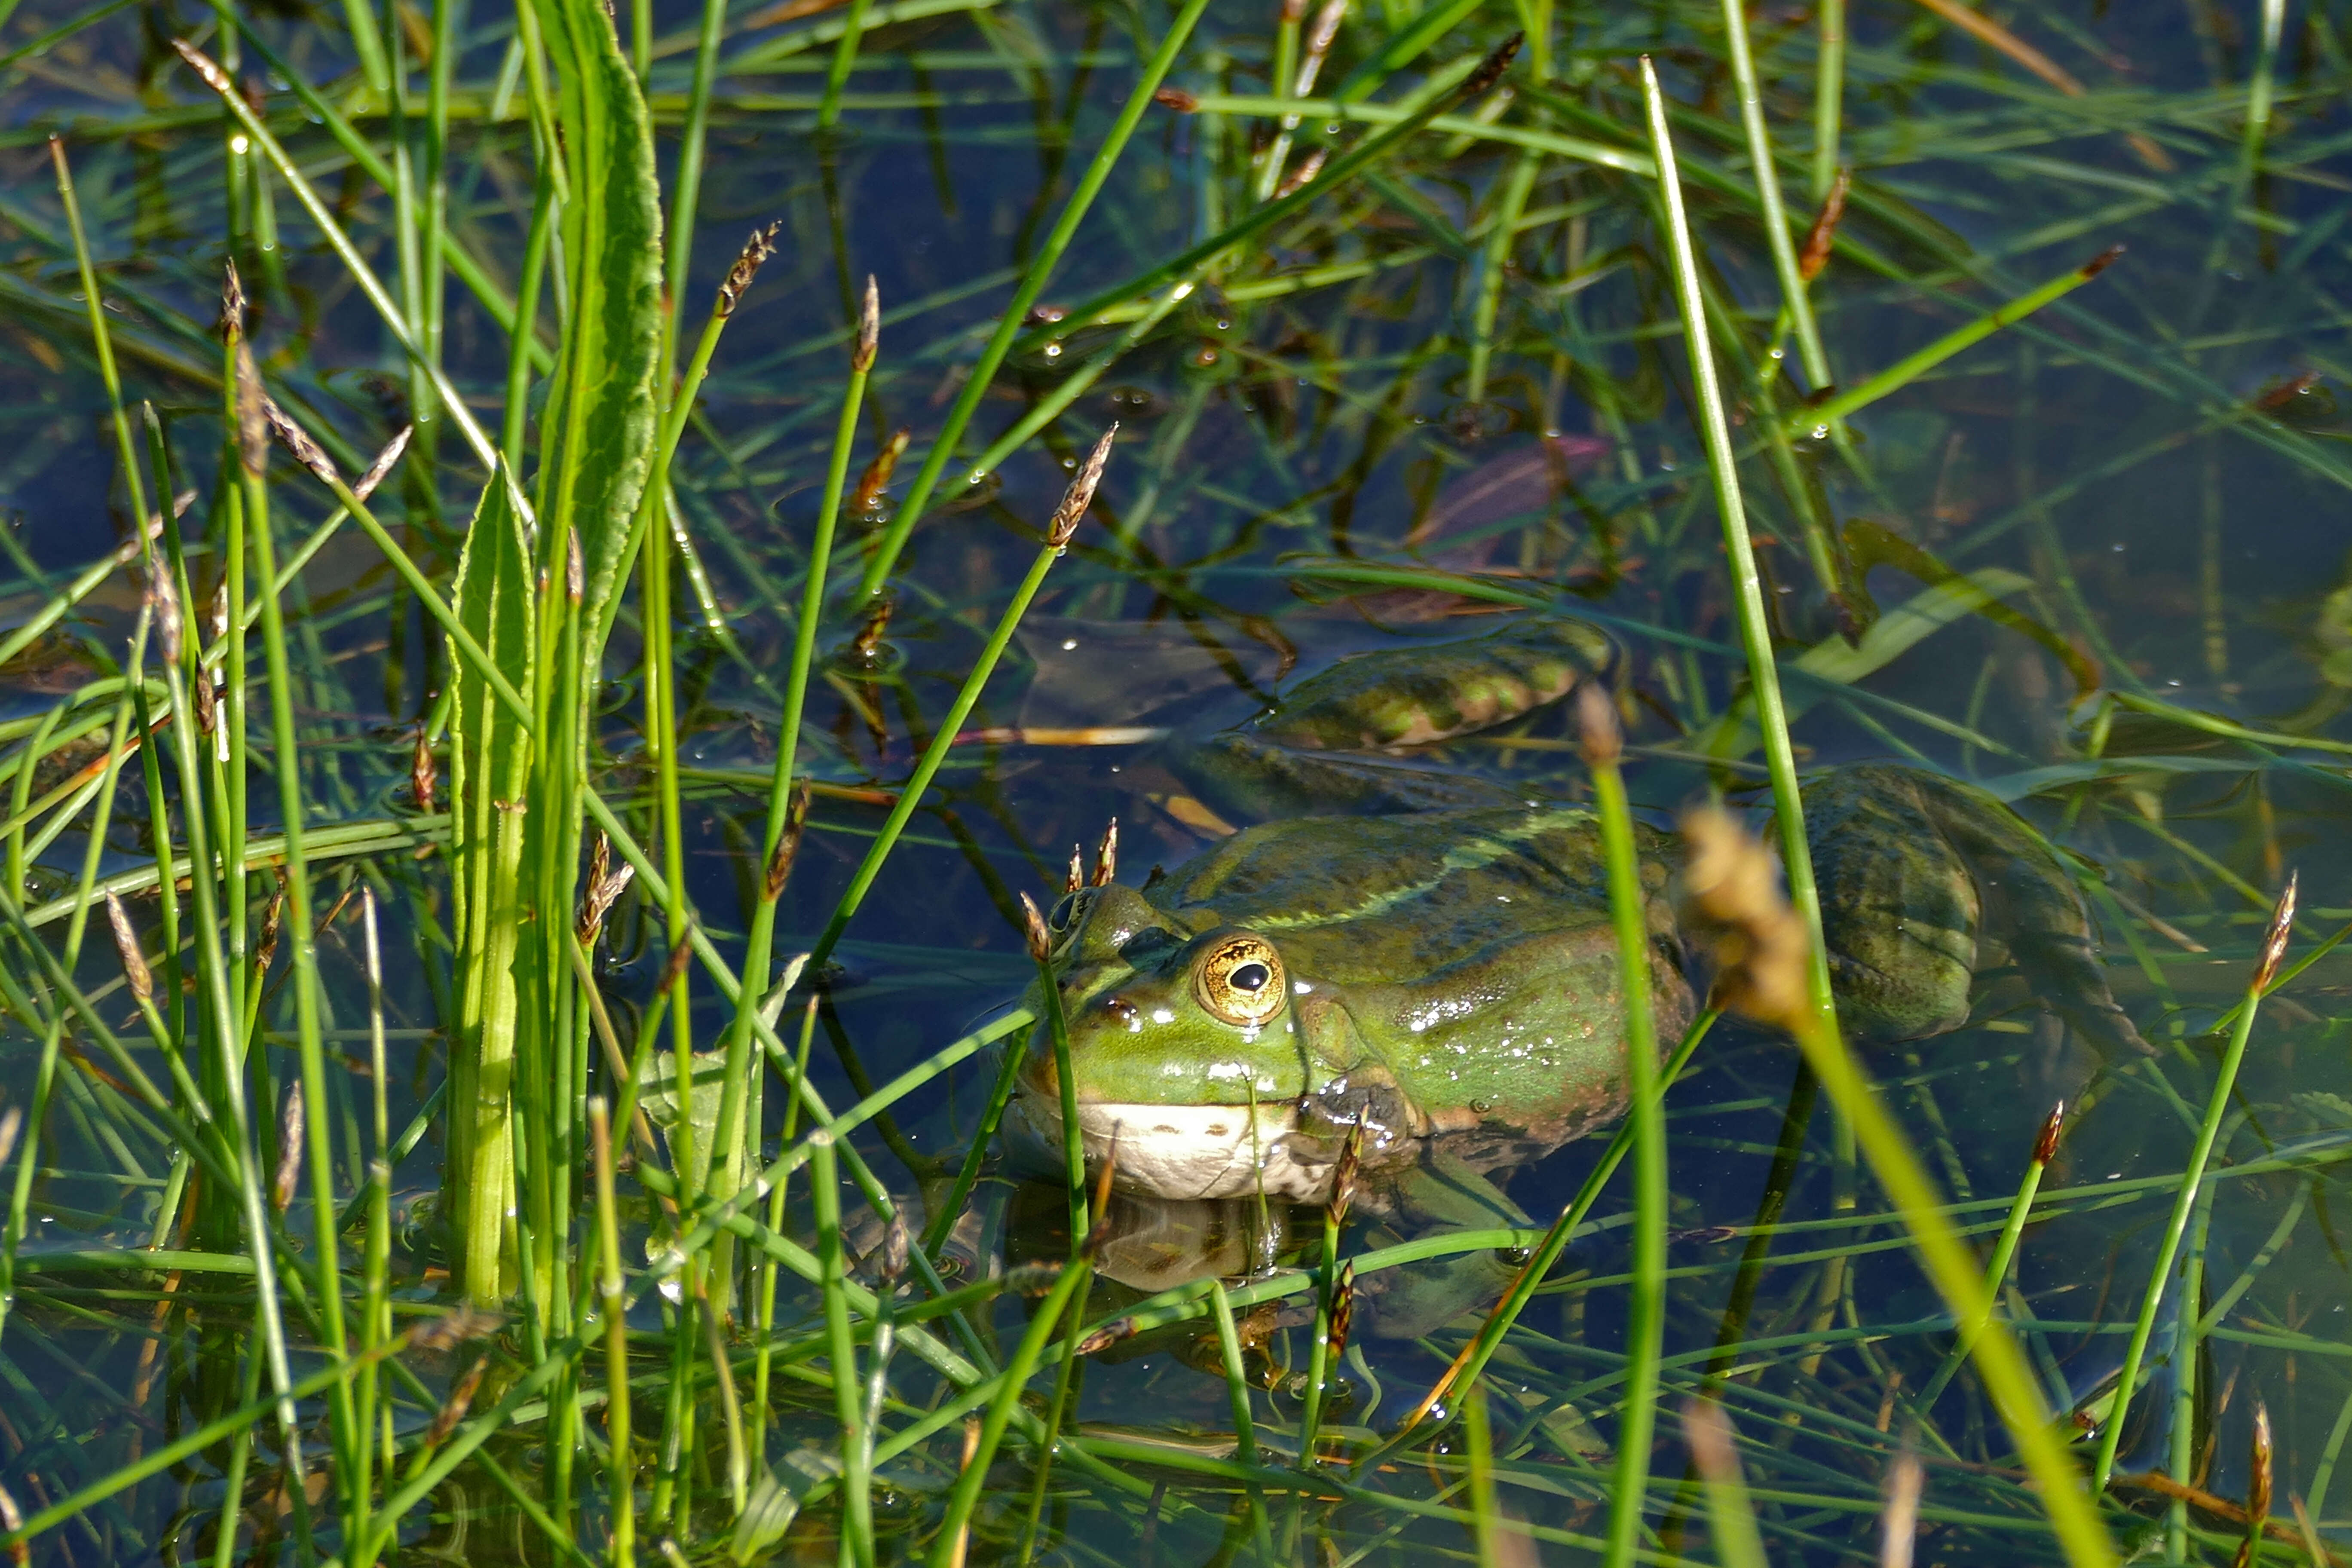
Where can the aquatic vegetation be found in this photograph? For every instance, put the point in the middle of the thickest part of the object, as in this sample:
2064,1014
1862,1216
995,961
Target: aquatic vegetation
538,737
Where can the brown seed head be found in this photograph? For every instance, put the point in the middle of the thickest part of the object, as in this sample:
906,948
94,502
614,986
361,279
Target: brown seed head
876,477
788,844
674,972
1081,493
2101,262
423,774
162,595
126,941
575,568
1344,1174
1731,899
384,462
756,250
461,1398
1077,875
603,891
2275,941
1822,236
233,307
252,412
869,328
1175,97
12,1122
1602,736
1490,70
295,439
214,77
208,701
1107,856
273,918
2045,1146
1343,1309
291,1127
1303,175
2259,1475
1033,923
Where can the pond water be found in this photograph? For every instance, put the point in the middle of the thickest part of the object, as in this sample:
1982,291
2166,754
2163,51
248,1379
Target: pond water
1365,428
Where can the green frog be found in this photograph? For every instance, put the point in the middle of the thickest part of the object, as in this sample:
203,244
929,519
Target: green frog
1434,968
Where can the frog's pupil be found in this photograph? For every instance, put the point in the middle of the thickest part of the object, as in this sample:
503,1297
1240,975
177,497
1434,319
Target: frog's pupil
1249,977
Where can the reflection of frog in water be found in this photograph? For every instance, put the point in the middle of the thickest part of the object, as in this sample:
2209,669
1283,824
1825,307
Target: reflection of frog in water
1437,967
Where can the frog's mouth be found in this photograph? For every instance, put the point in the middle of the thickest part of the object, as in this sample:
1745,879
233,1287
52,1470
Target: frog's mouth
1178,1151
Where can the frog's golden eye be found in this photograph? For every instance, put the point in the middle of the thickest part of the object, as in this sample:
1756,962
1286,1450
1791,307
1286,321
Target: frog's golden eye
1240,981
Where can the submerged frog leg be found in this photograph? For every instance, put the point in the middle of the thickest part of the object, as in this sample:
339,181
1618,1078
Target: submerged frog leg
2034,905
1900,913
1440,1192
1917,873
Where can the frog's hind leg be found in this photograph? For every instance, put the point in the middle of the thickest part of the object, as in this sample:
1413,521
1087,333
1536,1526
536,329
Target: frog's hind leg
1899,910
2038,911
1914,866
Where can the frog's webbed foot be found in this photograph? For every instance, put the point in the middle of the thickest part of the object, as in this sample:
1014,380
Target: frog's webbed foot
1439,1192
1913,867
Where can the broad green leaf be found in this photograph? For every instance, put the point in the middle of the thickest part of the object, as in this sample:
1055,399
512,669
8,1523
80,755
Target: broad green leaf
490,757
597,437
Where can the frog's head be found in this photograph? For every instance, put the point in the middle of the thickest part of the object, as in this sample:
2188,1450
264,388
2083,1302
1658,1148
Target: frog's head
1185,1046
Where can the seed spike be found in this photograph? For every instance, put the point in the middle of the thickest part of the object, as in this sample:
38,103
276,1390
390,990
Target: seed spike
1822,236
12,1122
896,1249
755,252
1077,876
423,774
1603,736
1343,1309
779,869
2274,942
1731,894
163,600
1490,70
291,1127
232,316
679,957
1081,493
1033,925
1107,856
2045,1147
126,941
252,410
1344,1174
869,328
296,440
384,462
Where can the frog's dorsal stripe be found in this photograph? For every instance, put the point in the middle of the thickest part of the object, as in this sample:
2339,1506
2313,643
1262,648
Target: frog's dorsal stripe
1470,854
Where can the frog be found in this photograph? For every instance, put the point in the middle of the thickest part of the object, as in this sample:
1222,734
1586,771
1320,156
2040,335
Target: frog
1418,963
